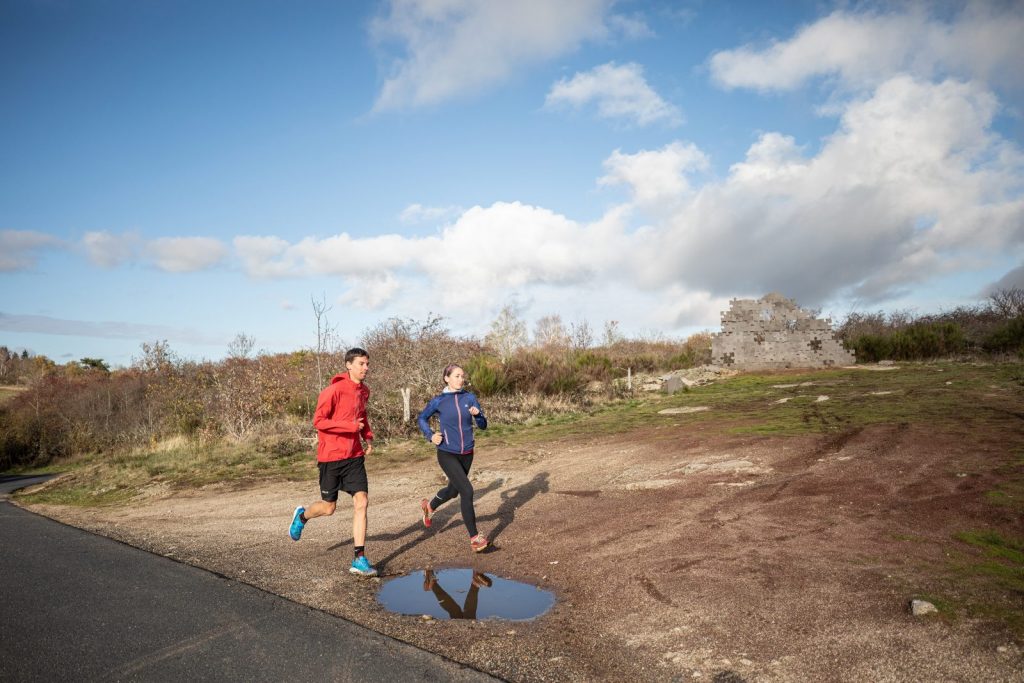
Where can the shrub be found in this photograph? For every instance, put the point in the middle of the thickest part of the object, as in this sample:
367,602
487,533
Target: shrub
592,365
535,372
917,341
487,377
1008,338
871,348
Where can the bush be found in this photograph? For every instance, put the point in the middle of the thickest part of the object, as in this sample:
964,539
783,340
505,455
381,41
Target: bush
535,372
928,340
917,341
1008,338
592,366
871,348
486,375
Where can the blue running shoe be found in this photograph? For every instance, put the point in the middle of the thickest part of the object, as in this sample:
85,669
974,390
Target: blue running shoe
362,566
296,529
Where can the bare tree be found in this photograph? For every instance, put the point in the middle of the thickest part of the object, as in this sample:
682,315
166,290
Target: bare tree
6,363
612,335
241,346
324,332
508,333
1008,303
581,336
550,332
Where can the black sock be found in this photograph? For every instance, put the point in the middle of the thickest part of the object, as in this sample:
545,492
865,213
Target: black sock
302,517
359,551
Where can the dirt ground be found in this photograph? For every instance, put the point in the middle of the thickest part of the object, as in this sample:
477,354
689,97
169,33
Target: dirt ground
675,553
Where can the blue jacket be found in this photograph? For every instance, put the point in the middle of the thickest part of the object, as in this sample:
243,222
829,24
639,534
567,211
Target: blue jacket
452,409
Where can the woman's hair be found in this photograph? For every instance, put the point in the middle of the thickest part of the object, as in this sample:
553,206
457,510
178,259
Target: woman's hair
449,369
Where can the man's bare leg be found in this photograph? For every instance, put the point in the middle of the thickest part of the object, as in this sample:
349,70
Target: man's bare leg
320,509
360,502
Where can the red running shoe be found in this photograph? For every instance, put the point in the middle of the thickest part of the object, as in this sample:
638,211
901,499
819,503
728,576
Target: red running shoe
478,543
427,512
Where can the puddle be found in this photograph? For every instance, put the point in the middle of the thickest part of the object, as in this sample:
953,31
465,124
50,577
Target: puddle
464,594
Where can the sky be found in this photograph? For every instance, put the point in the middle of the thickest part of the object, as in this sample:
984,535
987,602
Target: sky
188,171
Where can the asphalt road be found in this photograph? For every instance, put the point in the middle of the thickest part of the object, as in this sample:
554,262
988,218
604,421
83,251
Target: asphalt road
78,606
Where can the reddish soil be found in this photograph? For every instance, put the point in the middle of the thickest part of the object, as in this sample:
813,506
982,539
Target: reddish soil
676,553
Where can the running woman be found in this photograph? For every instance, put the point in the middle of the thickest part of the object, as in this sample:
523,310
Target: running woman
457,410
341,427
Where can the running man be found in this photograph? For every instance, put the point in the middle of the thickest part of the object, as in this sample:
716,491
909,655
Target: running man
341,427
457,410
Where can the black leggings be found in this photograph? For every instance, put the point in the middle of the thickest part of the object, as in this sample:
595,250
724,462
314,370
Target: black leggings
456,468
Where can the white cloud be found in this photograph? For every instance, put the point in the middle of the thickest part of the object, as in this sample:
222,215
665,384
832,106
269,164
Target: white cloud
656,178
485,253
632,27
914,184
186,254
913,180
860,50
19,248
415,214
108,250
495,250
458,47
41,324
370,292
681,307
265,256
620,92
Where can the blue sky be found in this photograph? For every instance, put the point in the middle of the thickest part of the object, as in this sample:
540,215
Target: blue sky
189,171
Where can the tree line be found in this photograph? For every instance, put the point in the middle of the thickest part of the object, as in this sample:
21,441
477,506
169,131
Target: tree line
85,407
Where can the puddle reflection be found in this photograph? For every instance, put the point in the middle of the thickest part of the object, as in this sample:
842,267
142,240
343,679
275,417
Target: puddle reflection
464,594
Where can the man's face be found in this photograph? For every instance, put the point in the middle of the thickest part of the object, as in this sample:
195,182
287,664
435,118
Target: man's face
358,368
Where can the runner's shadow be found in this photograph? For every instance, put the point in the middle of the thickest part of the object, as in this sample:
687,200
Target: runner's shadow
513,499
442,521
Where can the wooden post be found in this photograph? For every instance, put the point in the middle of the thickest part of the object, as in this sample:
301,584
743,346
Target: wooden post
629,378
406,393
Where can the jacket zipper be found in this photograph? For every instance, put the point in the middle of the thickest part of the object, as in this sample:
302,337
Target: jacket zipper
458,410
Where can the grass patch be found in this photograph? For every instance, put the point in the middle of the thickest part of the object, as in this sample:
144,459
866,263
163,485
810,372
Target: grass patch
995,567
995,545
180,464
969,395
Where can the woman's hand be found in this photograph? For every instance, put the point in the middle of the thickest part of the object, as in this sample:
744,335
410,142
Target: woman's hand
436,439
474,411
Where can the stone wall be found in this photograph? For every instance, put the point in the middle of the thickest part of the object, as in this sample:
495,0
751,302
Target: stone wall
773,333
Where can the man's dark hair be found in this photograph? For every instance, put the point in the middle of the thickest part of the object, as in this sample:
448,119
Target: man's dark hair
354,353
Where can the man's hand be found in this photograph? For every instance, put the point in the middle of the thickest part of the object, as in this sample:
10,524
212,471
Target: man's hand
474,411
359,425
369,447
436,439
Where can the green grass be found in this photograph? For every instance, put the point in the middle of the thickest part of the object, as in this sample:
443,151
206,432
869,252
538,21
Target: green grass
994,564
746,404
114,478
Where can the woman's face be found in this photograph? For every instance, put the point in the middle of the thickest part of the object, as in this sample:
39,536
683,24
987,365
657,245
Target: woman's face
456,379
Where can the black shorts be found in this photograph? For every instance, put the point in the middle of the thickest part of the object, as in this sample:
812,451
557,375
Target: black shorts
347,475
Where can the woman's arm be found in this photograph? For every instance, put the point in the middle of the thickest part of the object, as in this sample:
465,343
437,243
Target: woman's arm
424,418
480,418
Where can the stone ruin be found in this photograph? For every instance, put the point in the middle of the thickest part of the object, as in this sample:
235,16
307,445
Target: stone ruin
773,333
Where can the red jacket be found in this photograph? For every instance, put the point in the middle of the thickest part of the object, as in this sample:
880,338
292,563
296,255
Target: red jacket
338,410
